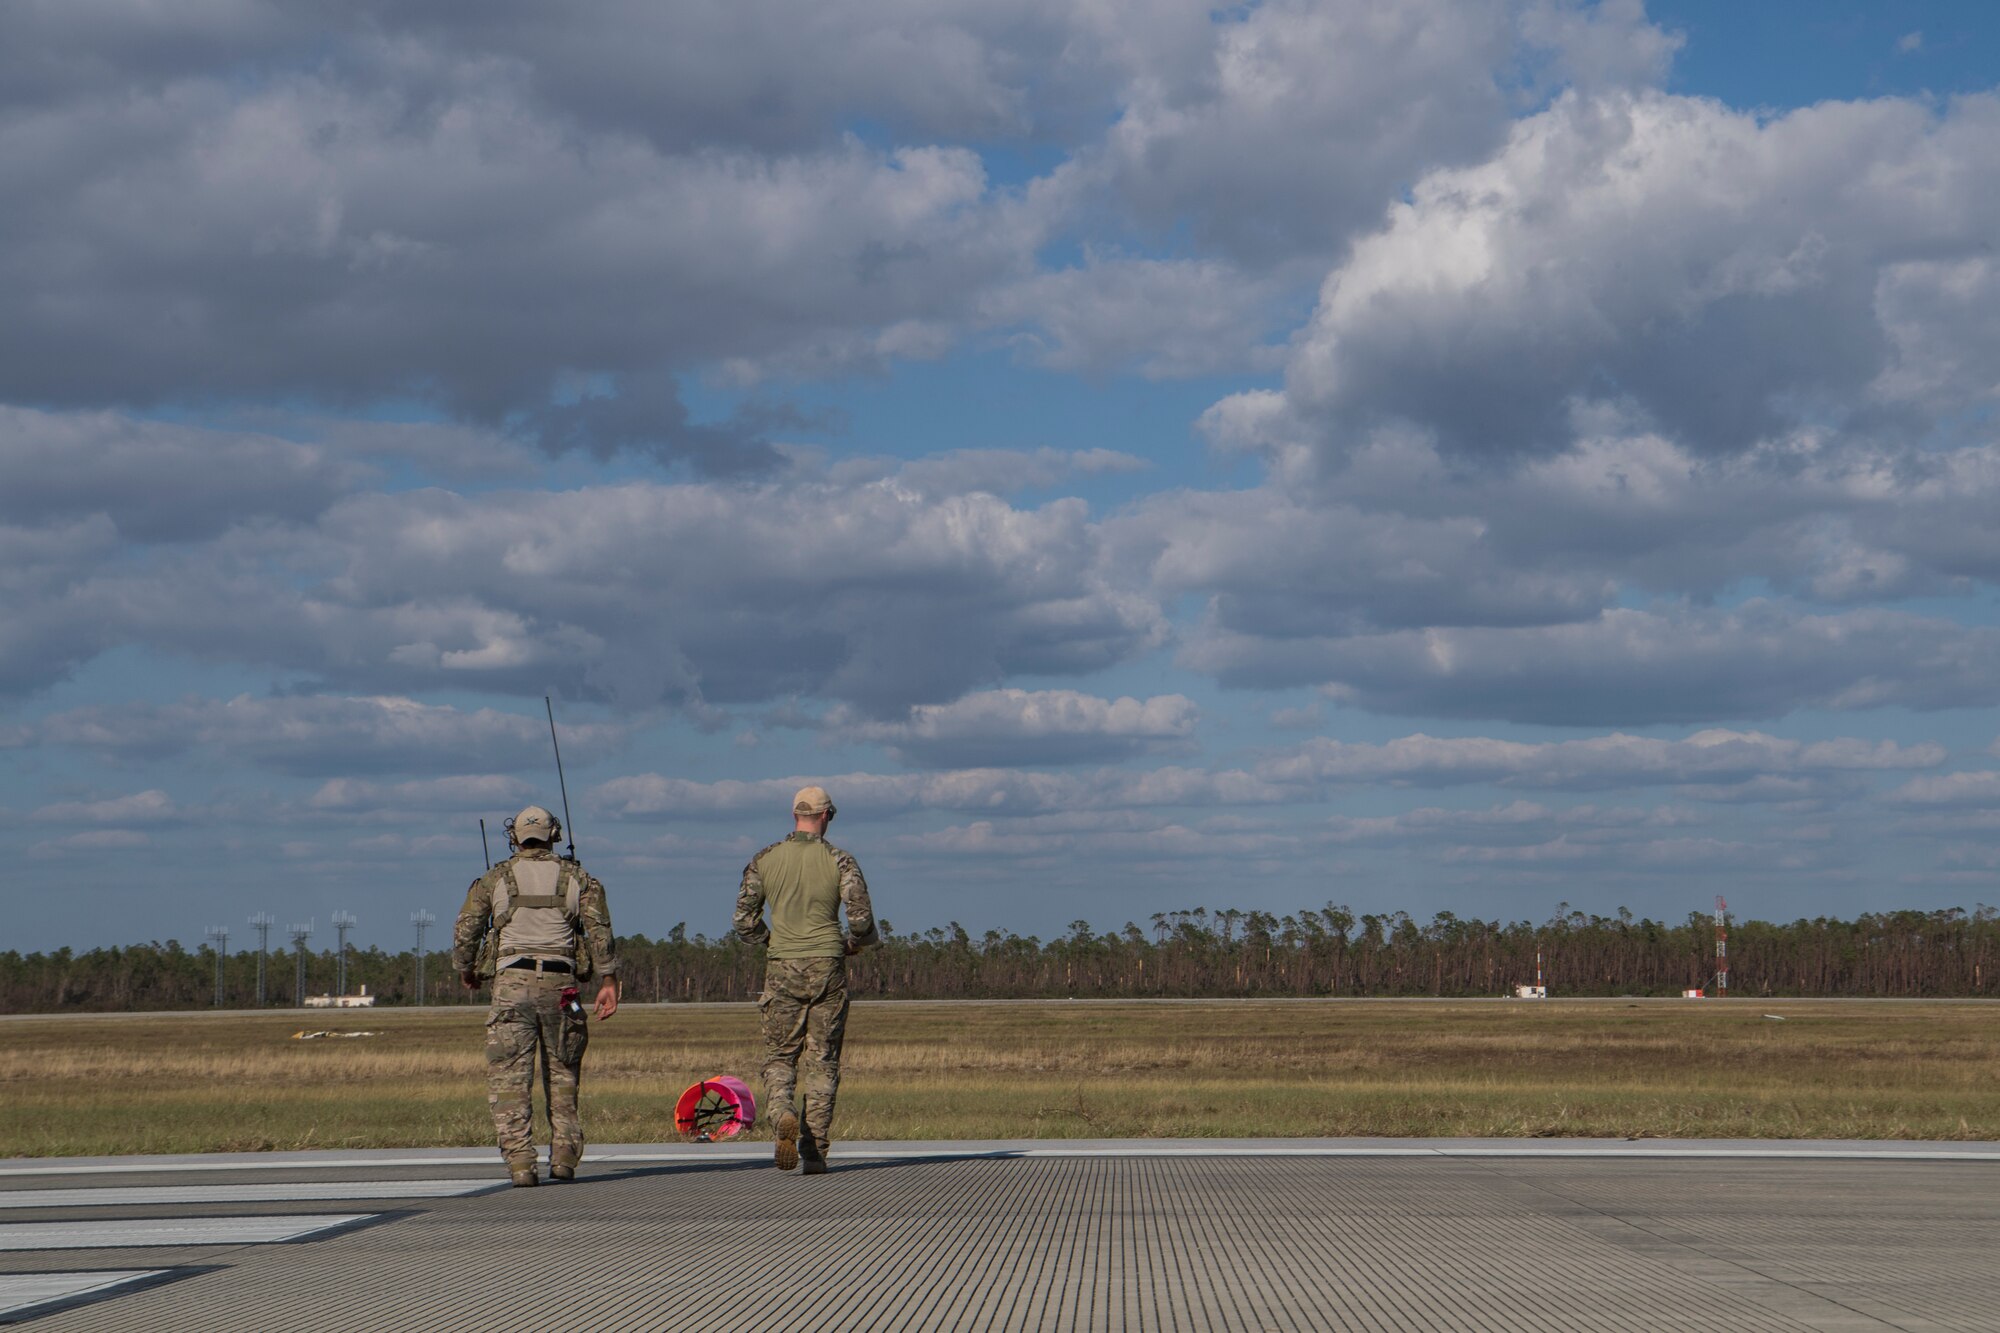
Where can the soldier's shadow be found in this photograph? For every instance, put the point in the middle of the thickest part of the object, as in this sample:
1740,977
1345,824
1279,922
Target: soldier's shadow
740,1167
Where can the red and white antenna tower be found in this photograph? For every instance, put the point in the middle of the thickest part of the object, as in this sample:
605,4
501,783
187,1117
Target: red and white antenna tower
1721,948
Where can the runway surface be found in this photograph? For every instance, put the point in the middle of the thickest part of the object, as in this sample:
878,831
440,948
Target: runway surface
1135,1234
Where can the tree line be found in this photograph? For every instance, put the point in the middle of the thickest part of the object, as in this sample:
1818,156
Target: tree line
1193,953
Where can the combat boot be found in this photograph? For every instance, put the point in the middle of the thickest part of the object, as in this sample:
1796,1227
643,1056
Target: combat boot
523,1175
812,1155
787,1154
562,1168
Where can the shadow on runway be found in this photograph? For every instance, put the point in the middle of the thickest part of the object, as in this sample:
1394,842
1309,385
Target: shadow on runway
735,1166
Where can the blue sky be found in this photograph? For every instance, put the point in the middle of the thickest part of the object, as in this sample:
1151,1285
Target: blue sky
1465,455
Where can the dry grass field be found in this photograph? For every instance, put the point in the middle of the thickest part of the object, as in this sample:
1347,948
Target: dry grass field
1603,1068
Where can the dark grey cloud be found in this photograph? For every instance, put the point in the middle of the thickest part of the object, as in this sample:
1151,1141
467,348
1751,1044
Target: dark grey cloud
1001,471
1515,823
1302,119
466,794
761,75
1025,728
1404,579
434,235
1160,318
1979,788
637,594
151,806
1634,668
52,54
315,735
643,414
1400,537
155,481
1278,566
996,792
777,76
52,626
1712,758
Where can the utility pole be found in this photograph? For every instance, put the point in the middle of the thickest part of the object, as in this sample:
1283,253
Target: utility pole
220,934
420,920
263,921
1721,948
300,934
342,922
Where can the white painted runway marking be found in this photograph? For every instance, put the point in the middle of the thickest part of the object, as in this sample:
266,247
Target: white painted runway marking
24,1291
294,1191
1775,1150
124,1233
256,1162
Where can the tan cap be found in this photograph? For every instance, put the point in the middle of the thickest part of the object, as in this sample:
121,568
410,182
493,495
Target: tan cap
538,824
811,801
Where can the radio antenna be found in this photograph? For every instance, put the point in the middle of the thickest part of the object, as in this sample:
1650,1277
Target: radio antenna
567,827
484,848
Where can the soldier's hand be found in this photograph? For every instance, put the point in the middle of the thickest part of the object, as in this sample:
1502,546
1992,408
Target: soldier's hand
471,980
607,999
851,947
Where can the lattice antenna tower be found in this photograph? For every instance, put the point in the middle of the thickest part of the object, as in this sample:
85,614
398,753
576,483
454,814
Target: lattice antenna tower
263,921
1721,948
342,922
420,920
300,934
220,934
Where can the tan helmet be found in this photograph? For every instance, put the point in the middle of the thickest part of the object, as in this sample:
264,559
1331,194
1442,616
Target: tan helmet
812,801
536,824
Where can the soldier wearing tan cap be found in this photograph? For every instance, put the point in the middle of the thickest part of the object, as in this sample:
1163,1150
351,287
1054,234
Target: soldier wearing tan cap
537,927
807,881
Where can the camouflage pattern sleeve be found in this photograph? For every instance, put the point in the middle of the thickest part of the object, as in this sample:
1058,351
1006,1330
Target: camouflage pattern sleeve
595,913
749,918
471,927
861,932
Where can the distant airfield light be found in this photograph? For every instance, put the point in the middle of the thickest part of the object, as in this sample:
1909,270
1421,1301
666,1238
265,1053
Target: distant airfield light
263,921
220,934
421,920
300,934
342,922
1721,948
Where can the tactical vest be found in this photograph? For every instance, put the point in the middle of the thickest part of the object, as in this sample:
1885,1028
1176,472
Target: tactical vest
508,899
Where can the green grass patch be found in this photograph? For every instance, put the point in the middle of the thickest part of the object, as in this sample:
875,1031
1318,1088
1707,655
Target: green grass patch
91,1084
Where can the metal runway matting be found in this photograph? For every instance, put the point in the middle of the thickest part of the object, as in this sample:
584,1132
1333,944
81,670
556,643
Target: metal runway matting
1113,1236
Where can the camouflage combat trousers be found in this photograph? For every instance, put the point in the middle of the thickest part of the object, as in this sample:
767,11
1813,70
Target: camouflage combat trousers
527,1018
804,1009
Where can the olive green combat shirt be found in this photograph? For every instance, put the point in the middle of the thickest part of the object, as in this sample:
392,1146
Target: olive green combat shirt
807,881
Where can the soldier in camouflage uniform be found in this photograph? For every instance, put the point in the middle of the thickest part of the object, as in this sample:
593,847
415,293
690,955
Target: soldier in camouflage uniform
807,880
537,927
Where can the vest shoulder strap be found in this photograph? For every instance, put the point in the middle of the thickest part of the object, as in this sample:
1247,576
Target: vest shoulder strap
508,898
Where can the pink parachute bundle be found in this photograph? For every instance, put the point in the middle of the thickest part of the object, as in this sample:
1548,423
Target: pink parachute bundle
715,1108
